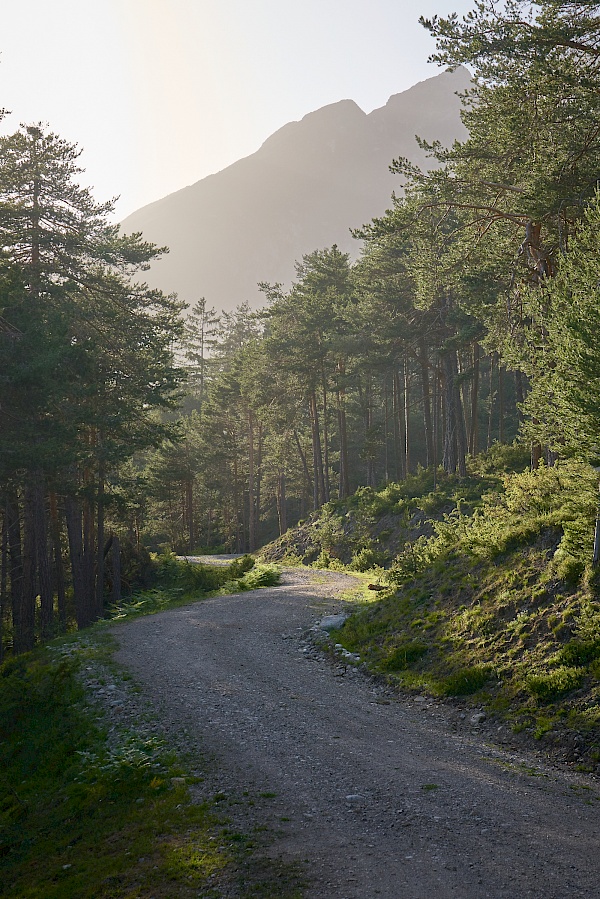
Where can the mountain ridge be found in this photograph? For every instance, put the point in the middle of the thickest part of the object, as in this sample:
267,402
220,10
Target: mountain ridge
305,188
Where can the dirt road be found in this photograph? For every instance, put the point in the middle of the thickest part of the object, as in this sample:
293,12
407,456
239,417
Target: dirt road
376,796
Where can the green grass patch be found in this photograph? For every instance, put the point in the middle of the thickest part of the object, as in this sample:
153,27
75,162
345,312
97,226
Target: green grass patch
554,684
466,681
403,656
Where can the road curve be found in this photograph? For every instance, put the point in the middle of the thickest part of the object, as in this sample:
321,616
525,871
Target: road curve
381,796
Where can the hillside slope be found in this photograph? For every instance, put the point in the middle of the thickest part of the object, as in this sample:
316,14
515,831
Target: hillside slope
307,185
488,594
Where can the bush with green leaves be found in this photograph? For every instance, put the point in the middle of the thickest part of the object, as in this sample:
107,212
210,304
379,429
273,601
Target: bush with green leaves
366,559
553,684
560,499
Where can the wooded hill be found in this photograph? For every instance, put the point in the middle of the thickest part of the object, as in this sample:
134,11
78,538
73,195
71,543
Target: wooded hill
470,315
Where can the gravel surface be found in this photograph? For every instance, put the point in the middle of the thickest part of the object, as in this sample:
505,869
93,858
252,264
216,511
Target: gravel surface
374,794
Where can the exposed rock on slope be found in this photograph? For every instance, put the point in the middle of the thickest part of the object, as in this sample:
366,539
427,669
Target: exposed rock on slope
307,185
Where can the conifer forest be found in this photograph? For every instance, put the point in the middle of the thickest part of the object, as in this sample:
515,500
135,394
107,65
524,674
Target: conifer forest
130,423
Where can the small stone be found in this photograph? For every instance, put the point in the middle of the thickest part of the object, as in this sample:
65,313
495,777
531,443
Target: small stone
354,797
477,718
331,621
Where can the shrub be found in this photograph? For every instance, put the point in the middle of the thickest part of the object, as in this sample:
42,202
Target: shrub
367,559
403,656
554,684
260,576
466,681
240,566
579,652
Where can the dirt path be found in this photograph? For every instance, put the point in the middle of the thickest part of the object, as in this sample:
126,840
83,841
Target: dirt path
380,796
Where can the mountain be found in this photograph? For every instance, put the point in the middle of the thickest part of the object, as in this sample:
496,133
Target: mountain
303,190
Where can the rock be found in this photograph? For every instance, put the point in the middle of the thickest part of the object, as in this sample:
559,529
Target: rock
477,718
331,621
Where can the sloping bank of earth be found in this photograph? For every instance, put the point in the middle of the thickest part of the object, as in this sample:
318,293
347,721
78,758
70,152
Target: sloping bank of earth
374,794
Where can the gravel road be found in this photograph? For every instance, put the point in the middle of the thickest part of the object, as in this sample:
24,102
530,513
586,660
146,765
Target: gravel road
376,795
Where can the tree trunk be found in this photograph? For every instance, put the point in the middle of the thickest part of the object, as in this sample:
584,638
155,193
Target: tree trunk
42,558
13,526
455,448
436,422
492,395
115,595
259,472
59,573
251,494
407,427
386,436
239,511
3,580
519,392
474,431
89,557
189,513
319,479
326,481
281,503
81,597
344,486
303,460
398,437
501,411
370,467
424,365
99,594
25,637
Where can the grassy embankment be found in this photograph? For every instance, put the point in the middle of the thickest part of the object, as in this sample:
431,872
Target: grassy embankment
85,815
489,593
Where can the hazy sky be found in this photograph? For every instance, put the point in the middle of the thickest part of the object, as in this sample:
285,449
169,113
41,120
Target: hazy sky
161,93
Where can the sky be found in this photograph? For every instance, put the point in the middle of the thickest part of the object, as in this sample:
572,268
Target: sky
161,93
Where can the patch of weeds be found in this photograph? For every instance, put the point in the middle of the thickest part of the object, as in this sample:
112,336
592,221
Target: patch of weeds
180,583
403,656
543,725
578,652
259,576
553,684
429,787
367,559
466,681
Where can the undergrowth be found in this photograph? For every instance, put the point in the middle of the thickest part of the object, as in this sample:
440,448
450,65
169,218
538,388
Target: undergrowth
177,582
370,528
